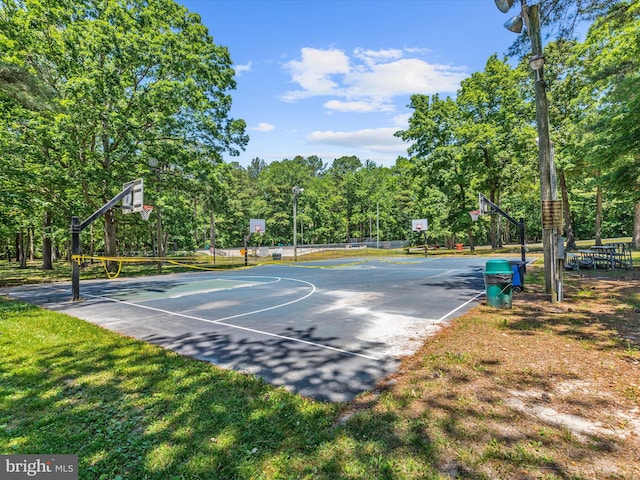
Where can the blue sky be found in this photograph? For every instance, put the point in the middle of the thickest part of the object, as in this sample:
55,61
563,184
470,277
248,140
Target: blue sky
334,78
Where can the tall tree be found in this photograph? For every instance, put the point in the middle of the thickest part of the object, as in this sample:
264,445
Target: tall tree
130,77
481,140
611,57
562,20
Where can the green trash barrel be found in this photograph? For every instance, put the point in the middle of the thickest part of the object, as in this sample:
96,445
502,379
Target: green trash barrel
497,279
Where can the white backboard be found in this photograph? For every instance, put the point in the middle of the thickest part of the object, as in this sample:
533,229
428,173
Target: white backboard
134,200
420,225
257,225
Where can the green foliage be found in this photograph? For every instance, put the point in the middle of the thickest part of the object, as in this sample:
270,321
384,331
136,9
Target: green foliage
131,80
611,59
89,91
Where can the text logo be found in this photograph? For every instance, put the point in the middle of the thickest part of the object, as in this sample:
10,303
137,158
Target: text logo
43,467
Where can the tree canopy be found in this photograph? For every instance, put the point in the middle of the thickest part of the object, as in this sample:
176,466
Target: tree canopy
91,90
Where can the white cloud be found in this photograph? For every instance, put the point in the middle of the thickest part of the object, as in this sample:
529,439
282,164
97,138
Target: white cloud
405,77
358,106
402,120
369,80
263,127
371,57
379,140
240,69
315,72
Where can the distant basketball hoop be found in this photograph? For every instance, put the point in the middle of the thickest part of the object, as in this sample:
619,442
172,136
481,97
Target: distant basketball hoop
420,225
475,214
257,225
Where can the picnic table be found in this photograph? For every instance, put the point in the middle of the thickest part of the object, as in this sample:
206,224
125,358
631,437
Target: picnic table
611,255
604,256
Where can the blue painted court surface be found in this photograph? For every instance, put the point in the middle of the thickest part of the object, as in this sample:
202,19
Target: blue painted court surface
327,330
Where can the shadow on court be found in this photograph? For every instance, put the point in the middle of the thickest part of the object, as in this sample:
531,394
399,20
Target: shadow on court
326,330
312,372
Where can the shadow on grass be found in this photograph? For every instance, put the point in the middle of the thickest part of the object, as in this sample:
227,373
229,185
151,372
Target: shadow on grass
130,410
603,311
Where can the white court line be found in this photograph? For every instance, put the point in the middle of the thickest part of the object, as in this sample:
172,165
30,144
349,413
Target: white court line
461,306
252,330
221,320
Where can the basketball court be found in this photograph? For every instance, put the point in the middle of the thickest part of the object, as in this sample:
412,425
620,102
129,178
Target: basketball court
327,329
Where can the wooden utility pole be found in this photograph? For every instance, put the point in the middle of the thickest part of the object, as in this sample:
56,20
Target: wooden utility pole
548,191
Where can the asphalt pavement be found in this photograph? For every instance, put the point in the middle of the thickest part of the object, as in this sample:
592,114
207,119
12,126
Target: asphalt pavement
329,330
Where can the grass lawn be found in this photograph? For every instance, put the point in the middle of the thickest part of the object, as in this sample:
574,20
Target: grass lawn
539,391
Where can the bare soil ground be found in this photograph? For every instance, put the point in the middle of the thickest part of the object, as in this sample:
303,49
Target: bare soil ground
541,390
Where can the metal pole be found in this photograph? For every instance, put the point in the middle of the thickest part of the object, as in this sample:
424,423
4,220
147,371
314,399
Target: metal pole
246,249
75,265
295,206
377,224
523,254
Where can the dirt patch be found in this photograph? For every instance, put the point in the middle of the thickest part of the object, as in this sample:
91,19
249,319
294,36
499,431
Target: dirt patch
541,390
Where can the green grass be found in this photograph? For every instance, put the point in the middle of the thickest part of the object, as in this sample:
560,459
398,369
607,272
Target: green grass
132,410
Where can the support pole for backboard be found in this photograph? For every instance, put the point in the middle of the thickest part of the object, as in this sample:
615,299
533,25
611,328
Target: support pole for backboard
247,239
519,224
77,228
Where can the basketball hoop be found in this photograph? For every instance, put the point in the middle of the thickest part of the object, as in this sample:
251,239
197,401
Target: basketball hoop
475,214
258,229
146,212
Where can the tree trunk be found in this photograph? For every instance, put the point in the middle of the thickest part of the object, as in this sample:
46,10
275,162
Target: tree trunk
22,257
160,250
472,245
92,241
47,250
32,245
566,212
493,226
195,222
636,225
110,245
599,216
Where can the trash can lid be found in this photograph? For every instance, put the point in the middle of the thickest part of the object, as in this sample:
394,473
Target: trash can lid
498,266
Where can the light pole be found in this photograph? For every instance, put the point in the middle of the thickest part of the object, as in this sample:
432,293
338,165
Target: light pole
295,191
551,214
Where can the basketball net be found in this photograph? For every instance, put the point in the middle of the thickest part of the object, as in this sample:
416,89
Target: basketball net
146,212
474,215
